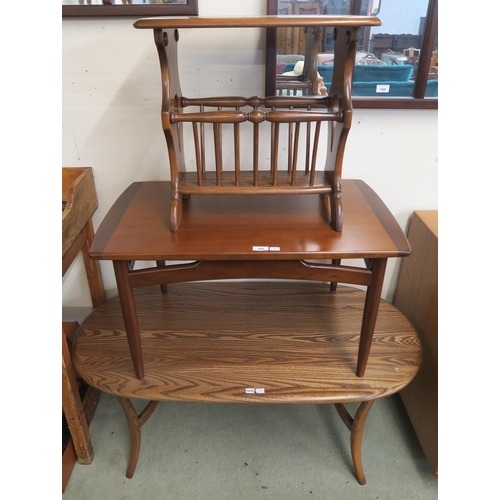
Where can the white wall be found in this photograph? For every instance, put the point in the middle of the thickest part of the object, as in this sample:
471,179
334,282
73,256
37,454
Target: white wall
111,117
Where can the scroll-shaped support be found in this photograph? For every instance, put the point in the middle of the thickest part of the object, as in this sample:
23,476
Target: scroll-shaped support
135,422
356,425
338,114
166,45
345,41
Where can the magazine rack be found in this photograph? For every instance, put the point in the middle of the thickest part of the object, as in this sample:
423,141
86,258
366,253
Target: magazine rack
292,123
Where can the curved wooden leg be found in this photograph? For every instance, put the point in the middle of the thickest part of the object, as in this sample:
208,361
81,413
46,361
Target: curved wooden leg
356,425
135,434
135,422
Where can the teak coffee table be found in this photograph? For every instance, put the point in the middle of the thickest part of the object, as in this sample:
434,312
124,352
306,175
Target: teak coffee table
278,329
242,237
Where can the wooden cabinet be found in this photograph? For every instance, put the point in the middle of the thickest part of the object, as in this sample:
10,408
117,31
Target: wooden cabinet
417,297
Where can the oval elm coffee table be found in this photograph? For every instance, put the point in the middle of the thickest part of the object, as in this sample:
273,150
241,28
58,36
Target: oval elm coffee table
248,342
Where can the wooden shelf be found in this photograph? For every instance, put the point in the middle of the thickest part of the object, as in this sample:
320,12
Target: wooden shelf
255,22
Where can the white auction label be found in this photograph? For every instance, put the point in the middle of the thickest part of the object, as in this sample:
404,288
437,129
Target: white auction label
253,390
263,248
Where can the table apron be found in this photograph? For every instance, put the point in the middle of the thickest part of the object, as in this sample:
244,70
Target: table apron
220,270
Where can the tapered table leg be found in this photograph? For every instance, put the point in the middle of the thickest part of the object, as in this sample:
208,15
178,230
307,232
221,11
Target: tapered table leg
129,311
164,288
333,285
372,303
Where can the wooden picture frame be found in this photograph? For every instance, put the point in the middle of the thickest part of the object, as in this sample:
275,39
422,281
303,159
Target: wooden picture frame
111,8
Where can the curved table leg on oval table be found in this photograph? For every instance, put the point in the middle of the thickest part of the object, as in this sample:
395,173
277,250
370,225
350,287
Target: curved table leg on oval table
135,422
356,425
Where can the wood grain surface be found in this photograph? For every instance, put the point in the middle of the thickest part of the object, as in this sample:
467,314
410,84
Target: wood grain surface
255,22
228,227
416,296
212,341
80,201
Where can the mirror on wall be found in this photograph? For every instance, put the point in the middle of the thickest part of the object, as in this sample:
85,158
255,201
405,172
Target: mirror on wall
105,8
122,2
395,60
290,43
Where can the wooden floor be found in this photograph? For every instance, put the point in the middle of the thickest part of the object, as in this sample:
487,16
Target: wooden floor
248,342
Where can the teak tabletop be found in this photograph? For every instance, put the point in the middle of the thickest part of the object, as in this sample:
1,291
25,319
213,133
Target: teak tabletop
236,227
